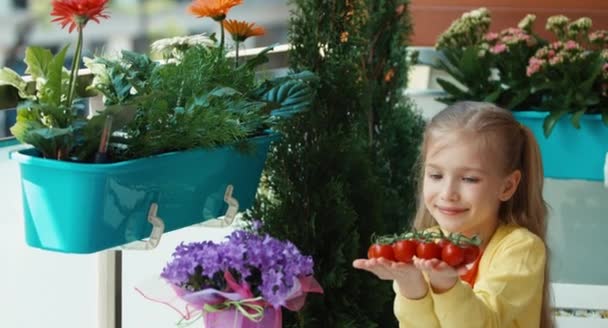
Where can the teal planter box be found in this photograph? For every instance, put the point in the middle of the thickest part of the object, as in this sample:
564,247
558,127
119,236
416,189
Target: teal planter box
570,153
84,208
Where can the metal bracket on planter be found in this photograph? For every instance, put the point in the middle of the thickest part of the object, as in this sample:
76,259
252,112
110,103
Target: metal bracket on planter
231,213
158,227
606,172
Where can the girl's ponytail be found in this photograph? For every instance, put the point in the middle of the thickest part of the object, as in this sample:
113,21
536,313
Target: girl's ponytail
528,207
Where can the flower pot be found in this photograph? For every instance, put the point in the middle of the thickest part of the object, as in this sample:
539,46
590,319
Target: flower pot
83,208
570,153
232,318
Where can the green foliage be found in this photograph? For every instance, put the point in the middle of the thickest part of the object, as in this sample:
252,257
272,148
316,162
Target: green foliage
473,74
572,89
45,119
115,79
518,70
197,98
344,170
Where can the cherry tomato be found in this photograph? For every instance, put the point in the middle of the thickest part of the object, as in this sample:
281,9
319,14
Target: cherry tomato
452,254
428,250
471,252
443,243
378,250
404,250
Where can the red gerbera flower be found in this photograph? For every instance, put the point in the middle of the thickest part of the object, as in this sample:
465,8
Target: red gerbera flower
78,12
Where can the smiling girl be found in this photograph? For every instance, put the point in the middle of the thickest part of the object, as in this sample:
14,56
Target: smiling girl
481,175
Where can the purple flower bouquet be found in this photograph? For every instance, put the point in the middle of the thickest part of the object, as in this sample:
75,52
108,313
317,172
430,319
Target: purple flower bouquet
243,281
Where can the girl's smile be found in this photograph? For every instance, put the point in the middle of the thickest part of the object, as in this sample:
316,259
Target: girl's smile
451,211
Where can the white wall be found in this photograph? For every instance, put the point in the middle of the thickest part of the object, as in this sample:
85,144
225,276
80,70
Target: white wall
39,288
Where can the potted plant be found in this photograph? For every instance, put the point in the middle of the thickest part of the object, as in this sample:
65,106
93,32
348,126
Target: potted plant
244,281
175,133
559,88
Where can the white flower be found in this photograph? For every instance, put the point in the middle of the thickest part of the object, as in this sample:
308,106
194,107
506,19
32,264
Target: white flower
478,13
181,43
582,24
557,22
527,22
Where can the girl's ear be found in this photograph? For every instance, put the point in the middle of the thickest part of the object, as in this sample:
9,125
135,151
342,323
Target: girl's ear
510,185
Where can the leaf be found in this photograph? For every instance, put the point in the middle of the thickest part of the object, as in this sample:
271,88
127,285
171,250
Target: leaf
292,96
37,60
453,70
223,92
305,76
551,120
519,97
591,100
446,100
52,133
452,89
53,86
605,117
576,118
469,62
12,78
50,140
493,96
258,60
594,70
27,121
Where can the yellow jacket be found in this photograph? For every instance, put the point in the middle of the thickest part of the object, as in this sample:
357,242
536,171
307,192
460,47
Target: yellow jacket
508,289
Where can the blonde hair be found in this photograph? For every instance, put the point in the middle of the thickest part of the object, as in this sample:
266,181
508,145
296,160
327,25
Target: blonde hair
518,151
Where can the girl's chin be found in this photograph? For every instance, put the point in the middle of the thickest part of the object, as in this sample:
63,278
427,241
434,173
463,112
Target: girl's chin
450,225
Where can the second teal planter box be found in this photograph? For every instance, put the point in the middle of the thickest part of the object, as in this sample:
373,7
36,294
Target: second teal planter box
84,208
570,153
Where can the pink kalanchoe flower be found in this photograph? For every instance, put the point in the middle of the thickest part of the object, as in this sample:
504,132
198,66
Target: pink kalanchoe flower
571,44
490,36
534,66
556,60
499,48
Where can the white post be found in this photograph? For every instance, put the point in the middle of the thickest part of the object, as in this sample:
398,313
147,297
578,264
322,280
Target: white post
109,314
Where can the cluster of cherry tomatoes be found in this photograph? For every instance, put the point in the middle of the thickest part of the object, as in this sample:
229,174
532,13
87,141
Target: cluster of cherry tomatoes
455,249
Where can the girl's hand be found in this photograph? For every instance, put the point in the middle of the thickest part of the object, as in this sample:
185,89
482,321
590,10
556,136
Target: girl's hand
409,279
442,276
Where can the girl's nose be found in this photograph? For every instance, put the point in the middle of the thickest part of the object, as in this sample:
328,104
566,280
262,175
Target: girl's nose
449,192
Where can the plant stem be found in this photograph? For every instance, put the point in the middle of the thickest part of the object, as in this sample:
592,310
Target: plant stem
236,63
222,35
75,65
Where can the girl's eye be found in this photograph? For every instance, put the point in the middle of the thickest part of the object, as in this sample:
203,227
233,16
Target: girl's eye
435,176
470,179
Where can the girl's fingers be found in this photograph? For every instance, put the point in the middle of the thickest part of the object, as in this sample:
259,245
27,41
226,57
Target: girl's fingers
385,262
360,264
424,265
462,270
383,268
375,266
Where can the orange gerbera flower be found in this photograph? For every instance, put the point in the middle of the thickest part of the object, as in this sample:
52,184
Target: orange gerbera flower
216,9
241,30
78,12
